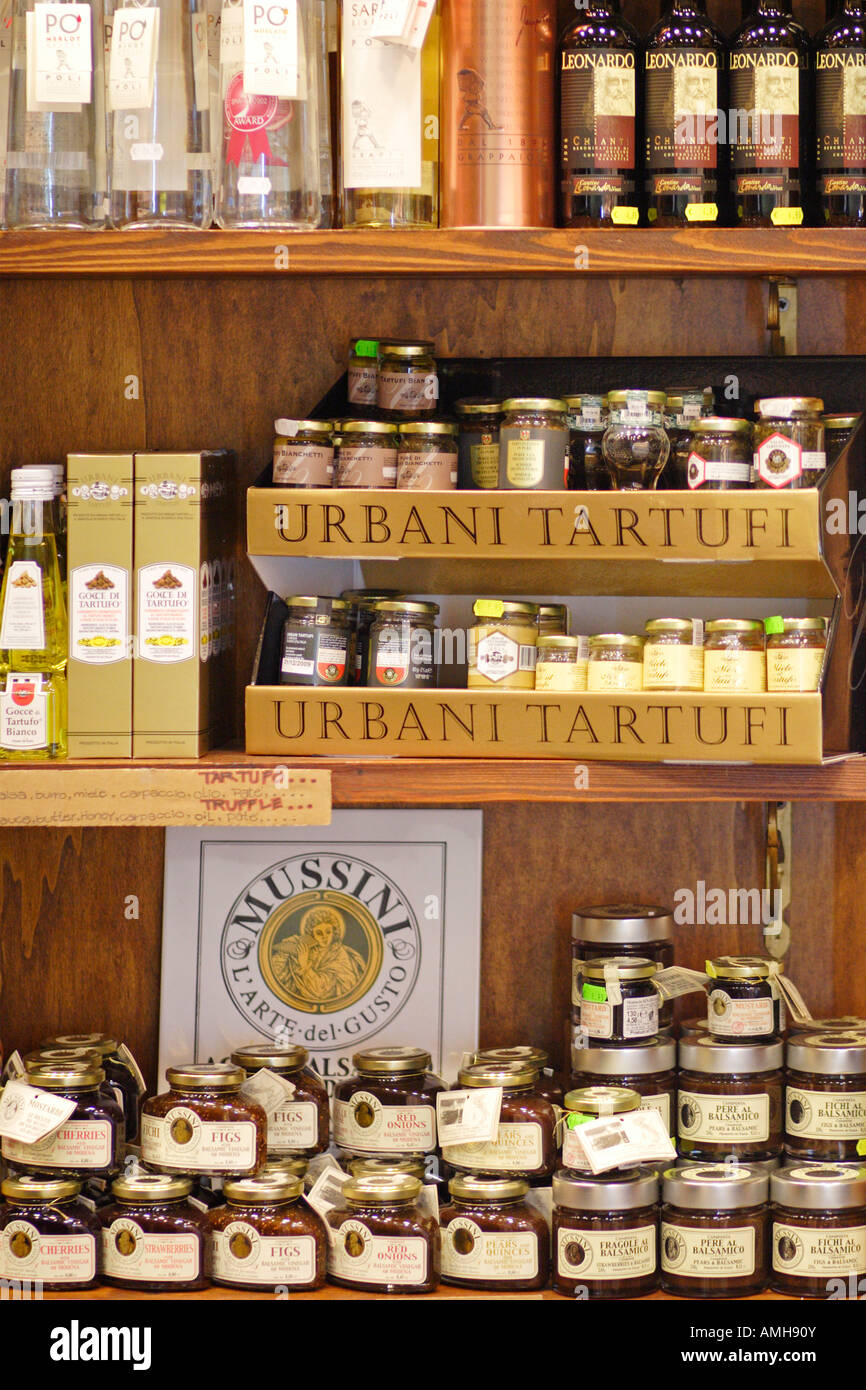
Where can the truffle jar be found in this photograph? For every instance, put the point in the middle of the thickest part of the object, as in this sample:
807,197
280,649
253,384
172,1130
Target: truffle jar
525,1146
47,1236
714,1231
389,1105
647,1067
743,1000
818,1228
729,1103
491,1238
153,1239
88,1144
825,1097
584,1105
605,1233
300,1122
203,1125
619,1002
265,1236
121,1071
381,1240
621,929
547,1084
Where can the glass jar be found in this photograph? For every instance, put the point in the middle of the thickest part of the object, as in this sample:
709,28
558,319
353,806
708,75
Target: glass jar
491,1238
621,929
525,1146
382,1242
589,1103
203,1125
503,645
389,1105
78,1058
729,1102
89,1143
362,606
734,657
587,422
153,1238
402,645
413,1164
795,653
366,454
553,620
818,1229
683,406
427,456
546,1085
789,442
714,1234
121,1070
673,654
825,1097
533,444
615,663
745,1002
605,1234
48,1237
719,454
300,1123
647,1067
303,453
618,1000
362,387
315,643
635,446
478,443
561,663
265,1238
838,429
846,1023
408,383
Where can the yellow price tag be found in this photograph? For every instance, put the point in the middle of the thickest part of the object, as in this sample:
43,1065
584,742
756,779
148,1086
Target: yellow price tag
702,212
489,608
624,217
708,966
861,1147
787,217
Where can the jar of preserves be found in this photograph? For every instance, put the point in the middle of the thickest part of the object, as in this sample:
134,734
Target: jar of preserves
525,1146
546,1085
87,1145
48,1238
533,444
719,454
287,1167
265,1237
838,429
402,645
553,620
846,1023
714,1234
315,643
744,1001
587,421
635,446
303,453
78,1058
615,663
300,1123
618,1000
825,1097
584,1105
408,383
673,654
817,1228
427,456
478,442
413,1164
201,1124
503,645
366,454
605,1234
153,1238
729,1101
491,1238
121,1071
389,1105
795,653
561,663
734,657
363,382
381,1241
789,442
683,406
647,1068
362,606
621,929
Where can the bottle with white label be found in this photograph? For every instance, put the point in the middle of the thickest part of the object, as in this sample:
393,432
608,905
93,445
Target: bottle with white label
160,165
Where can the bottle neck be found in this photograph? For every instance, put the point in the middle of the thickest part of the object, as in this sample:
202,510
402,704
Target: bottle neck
686,9
853,9
772,9
598,9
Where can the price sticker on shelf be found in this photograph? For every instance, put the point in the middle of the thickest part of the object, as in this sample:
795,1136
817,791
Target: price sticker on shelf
271,49
787,217
60,52
132,59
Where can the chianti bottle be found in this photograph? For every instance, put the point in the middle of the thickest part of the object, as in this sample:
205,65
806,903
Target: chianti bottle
840,116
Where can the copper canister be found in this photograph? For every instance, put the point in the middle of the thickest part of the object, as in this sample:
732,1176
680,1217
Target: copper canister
498,113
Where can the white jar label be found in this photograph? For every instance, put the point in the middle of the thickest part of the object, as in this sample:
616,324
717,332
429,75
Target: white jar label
24,713
497,656
166,610
23,620
363,382
604,676
292,1127
660,1103
606,1255
470,1253
778,461
518,1147
183,1140
741,1018
561,675
727,672
794,668
723,1119
640,1017
802,1250
99,614
719,1254
596,1019
366,1125
25,1253
573,1156
355,1253
76,1144
672,667
825,1114
128,1252
241,1255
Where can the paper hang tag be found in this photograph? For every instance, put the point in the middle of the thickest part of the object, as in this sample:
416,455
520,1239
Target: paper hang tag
132,61
28,60
469,1117
393,20
287,428
319,1164
428,1200
676,980
62,54
327,1193
271,48
424,11
14,1067
625,1141
268,1090
30,1115
611,980
132,1067
794,999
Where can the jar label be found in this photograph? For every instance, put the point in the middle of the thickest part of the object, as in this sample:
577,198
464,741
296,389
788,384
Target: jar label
726,672
23,618
303,465
605,676
25,1253
596,1018
364,1124
484,462
681,103
668,666
824,1114
183,1140
311,656
661,1103
76,1144
428,471
524,462
716,1254
292,1127
766,83
794,668
740,1018
778,461
723,1119
518,1148
99,614
573,1156
640,1017
24,713
470,1253
598,111
701,470
363,383
392,655
355,1253
167,613
807,1251
498,656
360,465
841,106
561,675
128,1252
606,1254
407,394
242,1256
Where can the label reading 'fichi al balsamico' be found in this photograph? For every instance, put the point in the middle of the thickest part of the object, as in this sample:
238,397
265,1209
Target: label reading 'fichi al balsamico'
807,1251
825,1114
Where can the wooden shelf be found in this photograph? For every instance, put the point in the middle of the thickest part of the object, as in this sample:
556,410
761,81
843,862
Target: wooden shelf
333,1294
714,251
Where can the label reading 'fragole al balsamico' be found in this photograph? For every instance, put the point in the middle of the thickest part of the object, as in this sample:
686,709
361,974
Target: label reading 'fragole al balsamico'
825,1114
183,1140
518,1146
356,1254
26,1253
365,1123
723,1119
128,1252
596,1255
720,1254
242,1256
76,1144
470,1253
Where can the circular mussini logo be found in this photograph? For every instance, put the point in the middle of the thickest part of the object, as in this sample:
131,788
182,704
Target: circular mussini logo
720,1007
690,1114
354,1246
673,1248
787,1247
799,1109
183,1129
465,1240
21,1240
575,1253
244,1243
125,1244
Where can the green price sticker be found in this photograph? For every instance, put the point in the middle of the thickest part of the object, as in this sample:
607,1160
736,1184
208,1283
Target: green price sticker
596,994
366,347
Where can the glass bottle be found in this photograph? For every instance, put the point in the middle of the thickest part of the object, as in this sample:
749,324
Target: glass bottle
840,116
55,165
770,125
270,167
160,165
684,91
598,147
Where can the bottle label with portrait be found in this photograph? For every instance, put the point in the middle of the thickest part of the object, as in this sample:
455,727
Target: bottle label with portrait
765,101
598,119
840,81
682,99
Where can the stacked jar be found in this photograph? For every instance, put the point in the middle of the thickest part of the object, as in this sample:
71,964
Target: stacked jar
641,935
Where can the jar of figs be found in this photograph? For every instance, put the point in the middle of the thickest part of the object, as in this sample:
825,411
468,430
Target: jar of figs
744,1001
647,1067
533,444
587,422
303,453
714,1234
621,929
825,1097
153,1238
589,1103
408,383
48,1238
618,1000
635,445
673,654
729,1101
381,1240
366,454
789,442
795,653
818,1228
89,1143
615,663
389,1106
546,1085
427,456
561,663
362,605
719,454
605,1234
402,645
362,387
299,1120
503,645
202,1124
316,641
478,442
525,1146
734,657
266,1238
491,1238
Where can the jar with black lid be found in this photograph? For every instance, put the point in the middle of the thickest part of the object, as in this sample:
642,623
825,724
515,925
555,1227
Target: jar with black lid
533,444
316,639
300,1123
362,606
427,456
402,645
789,442
491,1238
796,648
619,1002
266,1238
587,422
729,1101
408,383
478,442
121,1070
303,453
366,454
621,929
202,1124
381,1240
647,1067
719,454
605,1234
153,1238
582,1107
48,1238
743,999
89,1143
389,1106
546,1085
525,1146
818,1229
825,1097
714,1236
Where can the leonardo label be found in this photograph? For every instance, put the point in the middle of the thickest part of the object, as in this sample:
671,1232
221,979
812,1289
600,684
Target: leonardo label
840,79
765,93
600,1255
681,109
598,112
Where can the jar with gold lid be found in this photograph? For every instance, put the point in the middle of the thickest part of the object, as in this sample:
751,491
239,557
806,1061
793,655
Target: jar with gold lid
789,442
533,444
366,454
673,654
525,1146
734,657
363,380
491,1238
553,620
153,1238
503,645
818,1229
266,1238
744,1000
647,1067
714,1234
838,429
285,1166
89,1143
635,445
77,1057
408,383
561,663
478,443
402,645
299,1122
427,456
719,454
546,1085
618,1000
303,453
825,1097
589,1103
360,1167
120,1067
315,646
202,1124
795,653
605,1233
48,1238
381,1240
389,1106
730,1099
615,663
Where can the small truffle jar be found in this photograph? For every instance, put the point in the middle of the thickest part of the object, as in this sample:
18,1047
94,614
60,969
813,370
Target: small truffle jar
389,1106
586,1104
818,1228
88,1144
621,929
619,1002
605,1234
743,1000
546,1085
735,661
729,1103
525,1146
381,1240
121,1070
714,1236
203,1125
795,653
825,1097
299,1123
615,663
647,1067
491,1238
265,1237
47,1236
153,1238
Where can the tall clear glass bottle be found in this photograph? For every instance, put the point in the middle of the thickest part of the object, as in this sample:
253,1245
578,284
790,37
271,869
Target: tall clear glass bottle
840,115
160,170
55,162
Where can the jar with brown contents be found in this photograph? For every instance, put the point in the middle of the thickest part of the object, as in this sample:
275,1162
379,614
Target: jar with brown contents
825,1097
203,1125
525,1146
743,1000
621,929
619,1002
381,1240
605,1234
714,1234
427,456
533,444
647,1067
795,653
408,383
789,442
153,1239
303,453
585,1105
366,454
729,1103
121,1071
48,1237
389,1106
818,1221
719,454
300,1123
546,1085
734,658
478,444
413,1164
88,1144
265,1237
491,1238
